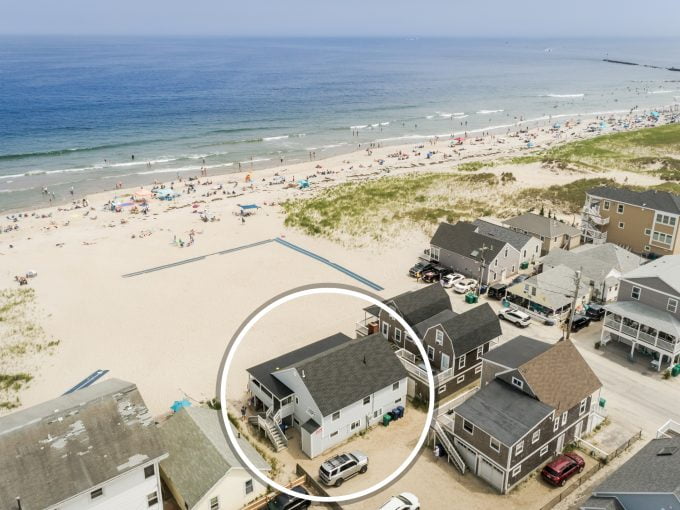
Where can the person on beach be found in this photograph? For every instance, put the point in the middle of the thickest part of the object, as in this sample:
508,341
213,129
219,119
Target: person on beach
243,413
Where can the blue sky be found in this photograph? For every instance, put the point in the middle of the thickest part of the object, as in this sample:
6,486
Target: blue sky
502,18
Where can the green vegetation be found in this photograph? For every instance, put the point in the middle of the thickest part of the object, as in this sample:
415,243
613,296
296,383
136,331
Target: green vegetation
473,166
14,381
567,197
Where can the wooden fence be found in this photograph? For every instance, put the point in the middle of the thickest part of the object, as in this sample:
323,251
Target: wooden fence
262,501
589,474
312,482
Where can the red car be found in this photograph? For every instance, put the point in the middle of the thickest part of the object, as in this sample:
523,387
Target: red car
562,468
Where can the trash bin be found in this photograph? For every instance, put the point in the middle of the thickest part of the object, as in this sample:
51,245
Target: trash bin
400,410
386,419
470,298
603,402
675,371
524,265
396,414
393,416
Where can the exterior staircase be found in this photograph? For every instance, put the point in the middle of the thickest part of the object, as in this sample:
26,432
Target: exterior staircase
270,424
453,454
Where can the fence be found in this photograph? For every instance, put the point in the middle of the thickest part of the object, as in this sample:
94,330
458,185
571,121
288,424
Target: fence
262,501
310,481
589,474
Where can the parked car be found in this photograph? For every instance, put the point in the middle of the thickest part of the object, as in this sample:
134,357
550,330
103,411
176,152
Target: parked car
464,285
337,469
449,280
435,274
497,290
562,468
519,278
419,268
595,312
518,318
286,502
579,322
404,501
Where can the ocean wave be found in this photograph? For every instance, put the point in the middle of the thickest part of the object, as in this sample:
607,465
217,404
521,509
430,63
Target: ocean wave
660,92
363,126
272,138
181,169
486,112
563,96
257,160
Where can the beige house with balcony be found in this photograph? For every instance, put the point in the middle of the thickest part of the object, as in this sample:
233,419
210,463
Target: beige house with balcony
647,314
645,222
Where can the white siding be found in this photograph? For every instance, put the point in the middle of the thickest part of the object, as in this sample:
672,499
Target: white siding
295,382
231,491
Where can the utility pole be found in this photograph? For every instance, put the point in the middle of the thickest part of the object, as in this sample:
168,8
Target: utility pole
573,303
481,266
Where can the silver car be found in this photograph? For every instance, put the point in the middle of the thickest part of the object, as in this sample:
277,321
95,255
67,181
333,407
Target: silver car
337,469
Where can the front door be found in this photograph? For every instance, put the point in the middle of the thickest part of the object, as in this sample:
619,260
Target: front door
445,361
577,429
385,329
560,444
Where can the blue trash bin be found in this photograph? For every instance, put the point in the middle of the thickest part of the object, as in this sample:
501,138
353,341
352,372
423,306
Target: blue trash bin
399,411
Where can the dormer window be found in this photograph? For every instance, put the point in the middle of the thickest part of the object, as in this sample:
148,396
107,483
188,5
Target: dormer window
518,382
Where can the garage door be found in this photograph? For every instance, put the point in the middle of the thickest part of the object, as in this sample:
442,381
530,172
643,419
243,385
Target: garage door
490,473
469,456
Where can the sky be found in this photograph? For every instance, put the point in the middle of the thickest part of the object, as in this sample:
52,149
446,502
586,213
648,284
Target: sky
310,18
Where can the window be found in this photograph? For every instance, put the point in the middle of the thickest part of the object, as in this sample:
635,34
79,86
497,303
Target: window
149,471
96,493
445,363
434,253
517,382
564,418
665,219
519,448
385,329
430,352
622,225
512,270
355,425
480,351
397,335
478,369
672,305
468,427
605,206
336,416
556,423
543,451
582,407
662,238
461,362
408,338
152,499
647,248
441,389
249,486
517,470
377,413
648,231
495,263
635,292
495,445
398,401
439,337
367,400
535,436
215,503
536,249
395,386
505,253
460,379
619,208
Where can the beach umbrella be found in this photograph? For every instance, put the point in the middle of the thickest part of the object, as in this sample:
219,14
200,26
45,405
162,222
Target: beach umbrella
179,404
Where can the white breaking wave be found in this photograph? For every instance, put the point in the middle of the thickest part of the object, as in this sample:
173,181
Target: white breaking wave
562,96
255,160
660,92
181,169
270,138
485,112
363,126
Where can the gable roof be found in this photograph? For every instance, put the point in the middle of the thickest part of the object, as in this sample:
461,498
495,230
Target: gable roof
443,316
559,376
472,328
463,239
554,287
199,455
647,471
666,269
651,199
503,412
350,372
542,225
264,371
71,444
516,239
418,305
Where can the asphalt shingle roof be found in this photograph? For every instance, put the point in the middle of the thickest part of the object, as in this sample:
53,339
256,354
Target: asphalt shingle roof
542,225
554,287
651,199
71,444
462,238
515,239
516,352
666,269
443,316
199,455
472,328
418,305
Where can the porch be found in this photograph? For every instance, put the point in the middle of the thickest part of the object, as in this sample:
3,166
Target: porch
415,366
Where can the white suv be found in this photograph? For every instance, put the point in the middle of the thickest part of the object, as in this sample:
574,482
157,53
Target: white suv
404,501
518,318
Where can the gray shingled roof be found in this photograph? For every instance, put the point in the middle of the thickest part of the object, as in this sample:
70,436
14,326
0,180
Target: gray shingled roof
595,503
443,316
515,239
666,269
651,199
554,287
418,305
472,328
517,351
199,455
462,239
503,412
72,444
263,372
351,371
541,225
647,471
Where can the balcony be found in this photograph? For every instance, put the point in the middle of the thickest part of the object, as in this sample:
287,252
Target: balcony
366,327
412,366
637,335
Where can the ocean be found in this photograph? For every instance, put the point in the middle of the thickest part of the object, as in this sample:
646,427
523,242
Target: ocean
89,112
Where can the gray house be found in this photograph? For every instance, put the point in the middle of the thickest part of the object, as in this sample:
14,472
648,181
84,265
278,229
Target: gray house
649,480
328,390
528,246
535,398
552,233
463,248
647,314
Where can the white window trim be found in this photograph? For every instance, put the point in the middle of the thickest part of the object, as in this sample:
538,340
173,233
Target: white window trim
439,337
672,305
518,383
620,208
471,424
565,415
460,379
517,470
583,406
632,292
519,448
606,205
543,451
441,389
622,225
491,443
535,436
461,362
430,353
385,329
556,423
397,335
478,369
335,416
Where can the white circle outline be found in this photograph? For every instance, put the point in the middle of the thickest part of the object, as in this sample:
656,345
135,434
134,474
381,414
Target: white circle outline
243,458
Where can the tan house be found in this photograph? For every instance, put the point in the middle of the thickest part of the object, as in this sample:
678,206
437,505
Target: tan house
552,233
645,222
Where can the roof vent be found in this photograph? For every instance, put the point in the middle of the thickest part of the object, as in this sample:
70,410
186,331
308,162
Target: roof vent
364,359
666,451
303,374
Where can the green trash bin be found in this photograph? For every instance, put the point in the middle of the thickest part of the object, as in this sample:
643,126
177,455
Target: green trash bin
603,402
675,371
387,418
470,298
524,265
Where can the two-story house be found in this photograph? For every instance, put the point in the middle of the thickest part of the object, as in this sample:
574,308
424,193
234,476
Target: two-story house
97,448
552,233
528,246
328,390
647,314
466,250
534,399
646,222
